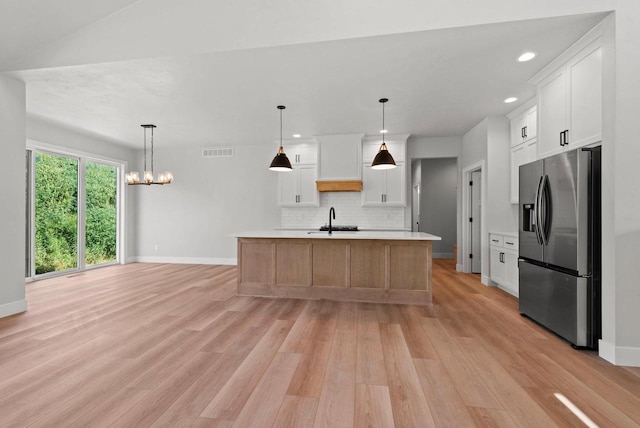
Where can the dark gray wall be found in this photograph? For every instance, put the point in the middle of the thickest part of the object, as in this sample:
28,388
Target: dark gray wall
438,203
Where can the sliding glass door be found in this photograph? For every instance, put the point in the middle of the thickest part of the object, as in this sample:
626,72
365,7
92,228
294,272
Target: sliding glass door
73,212
56,213
101,218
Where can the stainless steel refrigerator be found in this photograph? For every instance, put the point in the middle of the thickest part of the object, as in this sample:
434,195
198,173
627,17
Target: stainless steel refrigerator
559,244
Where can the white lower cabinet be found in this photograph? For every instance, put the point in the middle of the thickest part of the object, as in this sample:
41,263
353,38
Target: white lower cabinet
503,261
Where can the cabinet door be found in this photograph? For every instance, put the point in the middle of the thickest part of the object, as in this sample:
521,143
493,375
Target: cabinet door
552,114
586,98
372,185
307,190
517,133
497,267
395,189
288,188
305,154
519,156
531,124
511,272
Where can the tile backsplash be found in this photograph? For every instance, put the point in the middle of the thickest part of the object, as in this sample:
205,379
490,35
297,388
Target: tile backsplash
349,211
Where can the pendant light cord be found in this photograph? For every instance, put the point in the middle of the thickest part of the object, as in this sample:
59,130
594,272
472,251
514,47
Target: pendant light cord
383,128
281,127
151,150
145,150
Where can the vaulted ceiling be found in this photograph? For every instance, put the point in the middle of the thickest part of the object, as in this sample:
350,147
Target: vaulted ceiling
440,82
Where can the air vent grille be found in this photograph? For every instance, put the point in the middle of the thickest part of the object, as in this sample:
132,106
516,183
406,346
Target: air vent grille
217,152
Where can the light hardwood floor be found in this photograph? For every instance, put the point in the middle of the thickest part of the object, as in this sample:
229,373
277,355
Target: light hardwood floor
171,345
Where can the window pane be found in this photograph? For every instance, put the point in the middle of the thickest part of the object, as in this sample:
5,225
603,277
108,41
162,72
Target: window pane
56,200
101,213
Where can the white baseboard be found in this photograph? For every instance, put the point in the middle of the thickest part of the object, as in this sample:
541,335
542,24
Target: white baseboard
619,355
458,267
485,280
442,255
184,260
13,308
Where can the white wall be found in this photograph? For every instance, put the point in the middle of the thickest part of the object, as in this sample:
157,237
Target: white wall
621,194
46,133
438,203
12,214
192,220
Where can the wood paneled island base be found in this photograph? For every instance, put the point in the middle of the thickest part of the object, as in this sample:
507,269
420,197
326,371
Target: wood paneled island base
355,270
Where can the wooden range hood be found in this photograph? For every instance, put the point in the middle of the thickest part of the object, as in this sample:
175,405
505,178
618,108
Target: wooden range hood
339,185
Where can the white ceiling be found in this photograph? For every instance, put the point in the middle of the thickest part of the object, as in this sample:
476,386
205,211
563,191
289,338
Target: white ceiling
439,82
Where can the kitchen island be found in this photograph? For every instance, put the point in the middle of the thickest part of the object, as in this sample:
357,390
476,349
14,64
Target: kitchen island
371,266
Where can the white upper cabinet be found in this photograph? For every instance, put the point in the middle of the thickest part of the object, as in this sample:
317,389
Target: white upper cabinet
302,152
523,142
524,125
570,97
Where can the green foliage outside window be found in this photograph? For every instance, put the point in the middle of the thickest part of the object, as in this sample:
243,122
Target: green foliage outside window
56,206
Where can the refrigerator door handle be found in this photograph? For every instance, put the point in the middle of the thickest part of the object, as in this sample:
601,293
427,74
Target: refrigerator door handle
545,216
536,212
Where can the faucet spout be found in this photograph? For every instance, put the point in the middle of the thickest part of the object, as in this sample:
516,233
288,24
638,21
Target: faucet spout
332,212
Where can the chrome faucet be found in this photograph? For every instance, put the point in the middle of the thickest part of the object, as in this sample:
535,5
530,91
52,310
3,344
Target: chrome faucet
332,211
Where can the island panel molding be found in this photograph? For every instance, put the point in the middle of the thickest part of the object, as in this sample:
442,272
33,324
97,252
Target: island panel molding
356,267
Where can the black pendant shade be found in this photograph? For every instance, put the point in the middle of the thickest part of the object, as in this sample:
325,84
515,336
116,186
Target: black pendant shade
280,162
383,159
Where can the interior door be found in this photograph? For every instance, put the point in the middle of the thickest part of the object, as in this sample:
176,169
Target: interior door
474,224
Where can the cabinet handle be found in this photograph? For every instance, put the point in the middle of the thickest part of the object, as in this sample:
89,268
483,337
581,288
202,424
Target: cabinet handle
525,132
501,257
522,132
561,138
508,243
494,240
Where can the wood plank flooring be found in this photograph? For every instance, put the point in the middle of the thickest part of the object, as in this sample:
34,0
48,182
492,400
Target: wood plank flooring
142,345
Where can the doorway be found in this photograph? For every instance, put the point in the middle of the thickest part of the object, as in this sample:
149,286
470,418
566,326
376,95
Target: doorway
474,248
435,202
475,201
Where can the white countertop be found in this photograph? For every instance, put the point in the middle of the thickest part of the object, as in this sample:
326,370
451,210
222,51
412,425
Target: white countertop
315,234
512,234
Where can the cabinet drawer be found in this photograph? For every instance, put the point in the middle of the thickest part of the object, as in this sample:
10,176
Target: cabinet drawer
510,242
496,240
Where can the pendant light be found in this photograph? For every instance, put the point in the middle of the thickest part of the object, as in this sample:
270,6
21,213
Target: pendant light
383,159
280,162
133,177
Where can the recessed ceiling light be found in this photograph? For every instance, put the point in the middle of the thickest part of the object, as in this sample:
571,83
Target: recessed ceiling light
383,131
510,100
527,56
296,135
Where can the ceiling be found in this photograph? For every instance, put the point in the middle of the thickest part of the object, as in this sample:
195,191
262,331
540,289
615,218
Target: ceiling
439,83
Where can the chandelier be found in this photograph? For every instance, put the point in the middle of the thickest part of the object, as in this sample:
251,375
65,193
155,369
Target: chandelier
133,177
